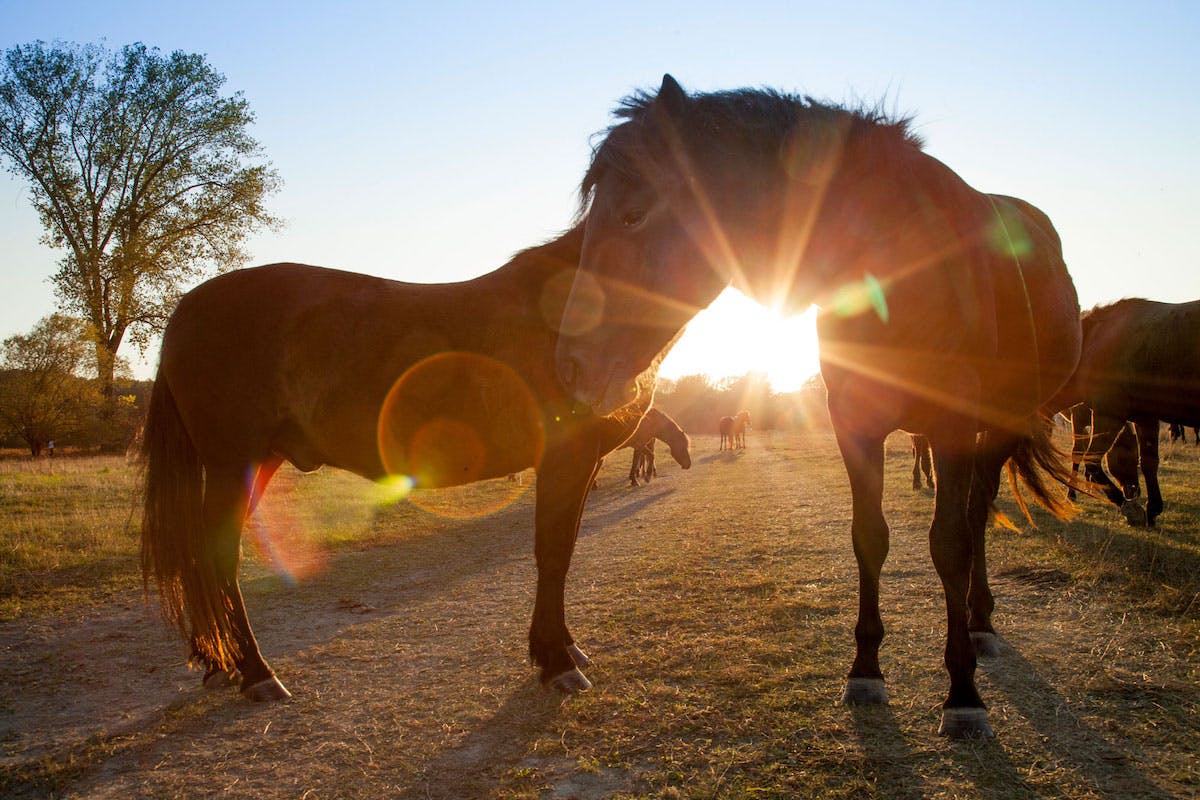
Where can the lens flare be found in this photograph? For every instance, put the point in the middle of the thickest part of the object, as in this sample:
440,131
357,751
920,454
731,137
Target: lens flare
856,297
585,309
455,419
281,537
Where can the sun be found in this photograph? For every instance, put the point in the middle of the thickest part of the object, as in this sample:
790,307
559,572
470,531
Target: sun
736,335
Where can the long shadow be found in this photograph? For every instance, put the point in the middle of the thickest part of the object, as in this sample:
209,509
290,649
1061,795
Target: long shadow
1110,768
889,758
600,514
724,456
497,745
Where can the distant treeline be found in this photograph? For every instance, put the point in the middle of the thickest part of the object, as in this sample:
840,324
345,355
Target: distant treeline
697,403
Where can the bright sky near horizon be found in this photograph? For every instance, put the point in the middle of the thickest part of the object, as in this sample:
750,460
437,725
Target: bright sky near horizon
428,142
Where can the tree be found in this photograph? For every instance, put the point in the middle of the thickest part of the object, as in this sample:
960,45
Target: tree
42,394
142,173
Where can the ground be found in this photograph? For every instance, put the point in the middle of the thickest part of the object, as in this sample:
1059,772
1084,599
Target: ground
718,606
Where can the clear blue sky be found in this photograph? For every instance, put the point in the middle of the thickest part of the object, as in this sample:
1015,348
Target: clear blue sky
427,142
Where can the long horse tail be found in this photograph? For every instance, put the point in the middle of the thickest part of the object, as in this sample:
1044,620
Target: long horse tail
174,551
1042,468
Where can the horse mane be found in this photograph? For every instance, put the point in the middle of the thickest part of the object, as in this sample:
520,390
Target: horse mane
739,120
1100,313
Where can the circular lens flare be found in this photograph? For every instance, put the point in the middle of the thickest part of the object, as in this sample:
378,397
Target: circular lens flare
455,419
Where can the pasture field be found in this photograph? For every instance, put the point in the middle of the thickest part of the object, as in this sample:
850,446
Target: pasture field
718,606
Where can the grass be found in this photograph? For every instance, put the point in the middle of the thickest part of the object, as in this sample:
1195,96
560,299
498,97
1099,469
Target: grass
719,607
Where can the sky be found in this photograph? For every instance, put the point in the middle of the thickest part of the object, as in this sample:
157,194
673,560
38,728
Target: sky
430,141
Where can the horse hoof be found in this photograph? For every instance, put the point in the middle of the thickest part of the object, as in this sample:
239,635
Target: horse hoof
986,643
268,690
570,682
865,692
965,723
219,679
578,657
1135,515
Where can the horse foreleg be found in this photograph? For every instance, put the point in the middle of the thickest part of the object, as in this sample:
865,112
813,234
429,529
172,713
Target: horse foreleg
951,546
564,477
636,467
993,451
863,457
226,500
1147,435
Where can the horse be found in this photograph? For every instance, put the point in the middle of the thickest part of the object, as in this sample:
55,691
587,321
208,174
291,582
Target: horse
656,424
1179,433
419,385
922,461
943,311
1140,362
1123,458
733,430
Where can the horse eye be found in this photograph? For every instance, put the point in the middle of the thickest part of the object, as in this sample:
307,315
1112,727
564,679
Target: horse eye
633,218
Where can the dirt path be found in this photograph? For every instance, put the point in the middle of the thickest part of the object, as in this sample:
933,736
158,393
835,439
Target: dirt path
408,667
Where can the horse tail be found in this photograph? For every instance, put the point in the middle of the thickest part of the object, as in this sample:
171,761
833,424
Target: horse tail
1041,467
174,552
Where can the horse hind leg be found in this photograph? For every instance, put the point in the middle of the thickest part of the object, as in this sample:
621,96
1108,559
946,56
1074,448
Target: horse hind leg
951,545
226,503
864,465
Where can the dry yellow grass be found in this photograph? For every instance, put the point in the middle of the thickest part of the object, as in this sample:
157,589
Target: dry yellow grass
718,605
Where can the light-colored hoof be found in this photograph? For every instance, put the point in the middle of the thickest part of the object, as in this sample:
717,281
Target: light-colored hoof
986,643
570,682
269,690
578,657
865,692
965,723
221,680
1134,514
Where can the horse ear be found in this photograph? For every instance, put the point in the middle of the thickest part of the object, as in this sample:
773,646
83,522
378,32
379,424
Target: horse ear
671,98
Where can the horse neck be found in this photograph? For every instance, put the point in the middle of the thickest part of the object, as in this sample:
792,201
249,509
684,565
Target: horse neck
847,212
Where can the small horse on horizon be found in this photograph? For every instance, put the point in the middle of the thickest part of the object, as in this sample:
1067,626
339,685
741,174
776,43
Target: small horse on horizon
420,385
1140,363
943,310
656,425
922,461
733,431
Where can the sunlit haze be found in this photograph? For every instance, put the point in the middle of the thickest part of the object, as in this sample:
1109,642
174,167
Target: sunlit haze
736,335
429,142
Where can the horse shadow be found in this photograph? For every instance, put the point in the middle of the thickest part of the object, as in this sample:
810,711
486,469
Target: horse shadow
492,748
722,456
1110,768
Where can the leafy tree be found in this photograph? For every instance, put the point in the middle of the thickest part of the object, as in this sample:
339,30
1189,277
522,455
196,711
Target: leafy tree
42,395
143,174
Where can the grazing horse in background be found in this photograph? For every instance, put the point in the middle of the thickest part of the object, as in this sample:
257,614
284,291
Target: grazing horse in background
733,430
656,425
922,460
1123,458
1179,433
421,385
944,311
1141,363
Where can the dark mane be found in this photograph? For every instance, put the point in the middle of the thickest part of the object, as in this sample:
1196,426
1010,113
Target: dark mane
1099,313
742,121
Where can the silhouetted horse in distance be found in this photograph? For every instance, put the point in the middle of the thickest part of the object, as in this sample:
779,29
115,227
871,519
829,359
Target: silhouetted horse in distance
423,385
1140,363
733,430
944,311
1179,433
922,460
1122,456
656,425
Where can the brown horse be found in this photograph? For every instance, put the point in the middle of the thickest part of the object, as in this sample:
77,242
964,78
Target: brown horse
426,385
922,460
1136,444
656,425
733,431
944,311
1141,363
